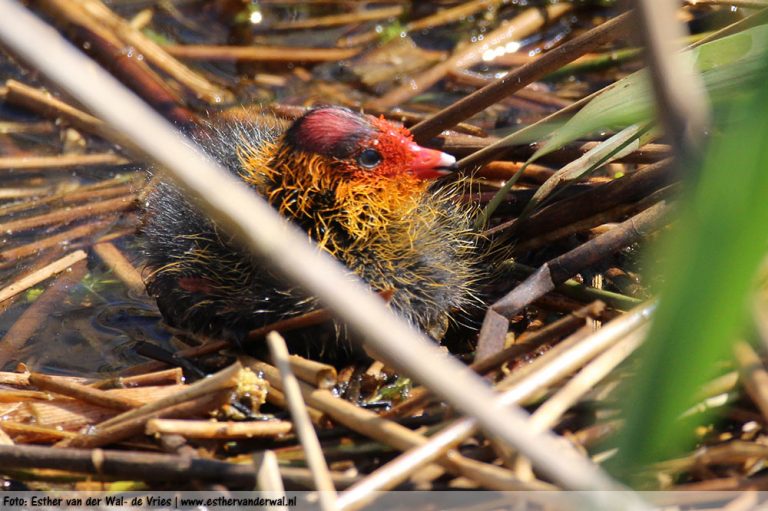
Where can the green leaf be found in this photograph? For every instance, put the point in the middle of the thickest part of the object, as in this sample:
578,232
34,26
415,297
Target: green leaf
727,66
709,261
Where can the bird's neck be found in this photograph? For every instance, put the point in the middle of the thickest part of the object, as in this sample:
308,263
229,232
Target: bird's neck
338,211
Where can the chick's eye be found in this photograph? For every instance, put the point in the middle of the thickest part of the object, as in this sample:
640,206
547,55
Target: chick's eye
369,158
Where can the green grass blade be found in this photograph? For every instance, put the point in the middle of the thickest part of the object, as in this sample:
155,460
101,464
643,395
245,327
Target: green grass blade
709,263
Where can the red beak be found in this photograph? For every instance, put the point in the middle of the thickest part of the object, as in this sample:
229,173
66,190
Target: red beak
429,163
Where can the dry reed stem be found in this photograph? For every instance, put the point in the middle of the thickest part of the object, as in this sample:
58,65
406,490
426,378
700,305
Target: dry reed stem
441,17
340,19
12,255
523,25
114,259
216,429
66,387
315,373
70,214
67,414
277,398
608,216
23,193
313,452
105,46
554,365
236,208
154,53
268,476
747,4
172,376
45,104
681,99
114,235
550,412
226,378
136,425
24,432
37,128
140,466
81,193
13,396
259,53
390,433
754,375
525,344
19,379
520,77
59,162
42,274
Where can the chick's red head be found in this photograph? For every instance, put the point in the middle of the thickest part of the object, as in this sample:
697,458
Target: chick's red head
364,146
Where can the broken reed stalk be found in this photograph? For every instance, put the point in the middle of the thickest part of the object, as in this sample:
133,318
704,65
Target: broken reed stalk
277,398
82,392
40,310
42,274
552,366
81,194
549,413
520,77
390,433
259,53
104,46
632,188
59,162
226,378
135,425
605,217
44,103
128,465
67,215
268,478
523,25
313,452
237,209
484,364
561,268
171,376
201,87
315,373
218,429
118,264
